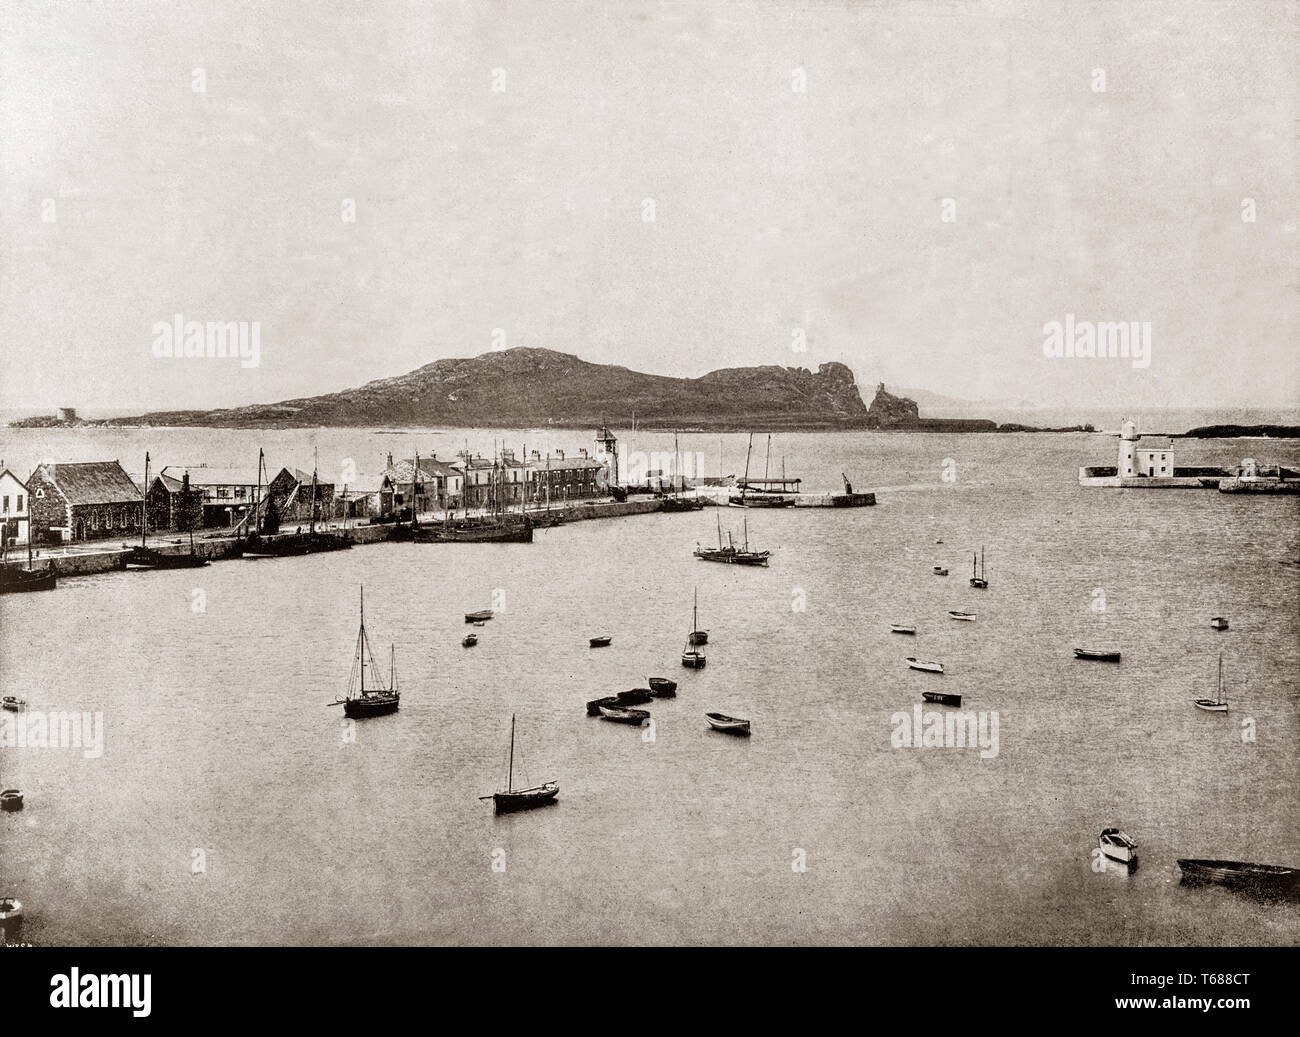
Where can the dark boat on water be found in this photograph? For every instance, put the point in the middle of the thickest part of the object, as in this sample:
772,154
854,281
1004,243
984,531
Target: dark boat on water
1097,655
603,641
376,700
19,581
263,544
144,557
731,554
1269,879
662,686
693,657
941,698
469,640
678,503
979,581
760,499
511,529
593,707
510,799
634,697
482,616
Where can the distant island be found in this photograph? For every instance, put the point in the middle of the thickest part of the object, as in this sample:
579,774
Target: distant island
1235,431
531,388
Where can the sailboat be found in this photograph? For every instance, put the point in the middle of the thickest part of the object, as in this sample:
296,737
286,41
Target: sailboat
298,543
677,502
510,798
732,555
16,581
144,557
376,700
759,500
500,527
698,636
978,581
693,655
1215,705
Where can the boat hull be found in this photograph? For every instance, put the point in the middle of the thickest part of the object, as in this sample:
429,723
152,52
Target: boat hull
370,706
1258,878
698,637
600,642
526,799
1211,705
622,715
662,686
693,660
727,725
1099,657
941,698
902,630
593,707
925,667
21,581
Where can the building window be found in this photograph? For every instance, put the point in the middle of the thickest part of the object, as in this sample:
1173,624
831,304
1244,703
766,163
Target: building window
222,493
6,504
20,503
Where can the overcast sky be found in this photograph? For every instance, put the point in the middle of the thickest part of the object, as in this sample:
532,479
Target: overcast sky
523,209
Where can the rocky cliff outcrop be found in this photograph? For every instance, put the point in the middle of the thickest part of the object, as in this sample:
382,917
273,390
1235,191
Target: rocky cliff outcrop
888,411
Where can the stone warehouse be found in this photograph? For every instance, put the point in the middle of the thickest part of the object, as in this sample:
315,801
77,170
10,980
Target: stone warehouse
82,501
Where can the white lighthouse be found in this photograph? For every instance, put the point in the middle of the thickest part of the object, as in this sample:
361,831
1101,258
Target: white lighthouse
1128,438
608,444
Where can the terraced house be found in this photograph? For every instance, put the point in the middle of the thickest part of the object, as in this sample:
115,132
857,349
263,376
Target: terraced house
557,478
85,500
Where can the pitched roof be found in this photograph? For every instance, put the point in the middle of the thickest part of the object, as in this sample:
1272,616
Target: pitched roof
559,464
202,475
401,471
1155,443
93,482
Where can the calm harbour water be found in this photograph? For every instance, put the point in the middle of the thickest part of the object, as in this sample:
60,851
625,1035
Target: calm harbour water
218,737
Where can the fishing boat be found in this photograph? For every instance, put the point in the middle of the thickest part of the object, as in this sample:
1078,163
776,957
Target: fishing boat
593,707
144,557
1101,655
1268,879
624,715
927,667
634,697
757,500
979,581
939,570
375,700
731,554
18,581
941,698
693,654
511,799
263,544
726,724
899,628
1219,704
469,640
965,617
12,703
1118,846
676,502
603,641
697,636
481,616
498,526
1219,623
11,800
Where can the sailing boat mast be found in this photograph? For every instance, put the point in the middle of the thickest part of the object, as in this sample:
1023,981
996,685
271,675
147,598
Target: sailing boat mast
510,773
767,463
311,523
745,485
361,642
144,509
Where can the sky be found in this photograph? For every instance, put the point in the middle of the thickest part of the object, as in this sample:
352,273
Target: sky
646,184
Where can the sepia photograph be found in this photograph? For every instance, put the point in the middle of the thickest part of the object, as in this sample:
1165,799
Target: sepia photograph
648,474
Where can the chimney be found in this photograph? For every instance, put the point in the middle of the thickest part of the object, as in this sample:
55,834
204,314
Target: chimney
390,459
582,451
559,454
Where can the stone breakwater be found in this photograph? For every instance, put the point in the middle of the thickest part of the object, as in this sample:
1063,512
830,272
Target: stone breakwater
93,559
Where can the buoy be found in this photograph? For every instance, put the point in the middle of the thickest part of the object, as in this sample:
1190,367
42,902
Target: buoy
11,920
11,800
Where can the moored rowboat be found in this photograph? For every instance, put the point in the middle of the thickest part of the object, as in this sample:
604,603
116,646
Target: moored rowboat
898,628
1097,655
928,667
622,715
942,698
726,724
